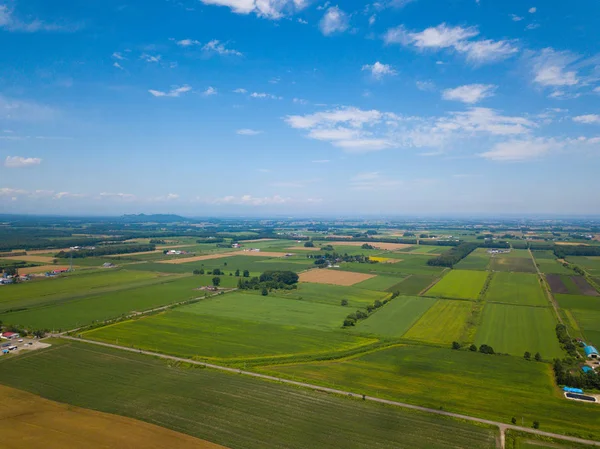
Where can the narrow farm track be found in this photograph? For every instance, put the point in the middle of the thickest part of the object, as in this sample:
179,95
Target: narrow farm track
501,426
548,292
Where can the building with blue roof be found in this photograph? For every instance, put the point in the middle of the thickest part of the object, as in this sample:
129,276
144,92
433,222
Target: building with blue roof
591,352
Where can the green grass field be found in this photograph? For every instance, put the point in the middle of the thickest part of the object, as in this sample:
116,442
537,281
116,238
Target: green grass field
520,264
580,302
396,317
589,322
381,283
461,284
477,260
443,323
232,410
72,286
84,311
516,288
413,284
546,261
333,294
212,337
410,264
515,329
272,310
590,264
488,386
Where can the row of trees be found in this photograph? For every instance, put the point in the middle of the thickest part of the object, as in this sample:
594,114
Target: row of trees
353,318
106,250
576,250
219,272
269,280
565,340
327,258
484,349
567,372
453,256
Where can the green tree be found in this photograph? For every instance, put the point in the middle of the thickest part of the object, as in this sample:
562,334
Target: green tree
264,291
513,420
216,281
196,272
344,302
309,244
538,357
217,271
201,271
536,424
246,274
349,322
473,348
527,355
455,345
237,272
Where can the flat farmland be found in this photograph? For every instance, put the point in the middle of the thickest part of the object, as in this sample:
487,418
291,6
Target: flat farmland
333,294
182,260
548,264
413,284
226,340
271,309
589,263
376,245
516,288
574,285
335,277
40,269
492,387
443,323
462,284
84,311
30,420
410,264
72,286
477,260
521,264
214,406
381,283
580,302
427,249
589,322
515,329
396,317
32,258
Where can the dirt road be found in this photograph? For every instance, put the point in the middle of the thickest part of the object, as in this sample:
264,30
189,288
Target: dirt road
503,427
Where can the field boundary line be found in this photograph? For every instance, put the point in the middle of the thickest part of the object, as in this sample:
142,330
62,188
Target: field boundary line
501,426
549,294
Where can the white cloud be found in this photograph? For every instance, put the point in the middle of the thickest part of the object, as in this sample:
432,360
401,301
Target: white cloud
167,197
118,196
299,101
532,10
10,22
469,93
597,90
379,70
457,38
209,91
176,91
265,95
248,132
119,56
118,66
516,18
334,21
532,26
249,200
372,19
218,47
11,109
240,91
19,162
150,58
61,195
270,9
550,68
321,161
519,150
426,86
590,119
11,193
302,21
187,42
485,121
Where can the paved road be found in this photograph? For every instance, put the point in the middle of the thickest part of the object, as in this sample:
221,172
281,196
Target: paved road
502,426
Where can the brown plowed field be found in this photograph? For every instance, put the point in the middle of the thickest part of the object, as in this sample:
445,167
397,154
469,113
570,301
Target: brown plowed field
42,269
334,277
584,287
27,420
34,258
556,284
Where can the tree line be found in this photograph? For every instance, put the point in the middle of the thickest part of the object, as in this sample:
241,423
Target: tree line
270,280
106,250
453,256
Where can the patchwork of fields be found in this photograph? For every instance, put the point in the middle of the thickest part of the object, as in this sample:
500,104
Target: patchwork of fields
405,317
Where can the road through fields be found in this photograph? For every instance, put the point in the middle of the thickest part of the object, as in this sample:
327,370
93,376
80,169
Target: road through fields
501,426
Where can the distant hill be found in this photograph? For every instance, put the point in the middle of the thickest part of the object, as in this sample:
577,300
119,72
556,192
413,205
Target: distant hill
155,218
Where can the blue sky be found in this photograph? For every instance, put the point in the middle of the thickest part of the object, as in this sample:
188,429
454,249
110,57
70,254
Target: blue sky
298,107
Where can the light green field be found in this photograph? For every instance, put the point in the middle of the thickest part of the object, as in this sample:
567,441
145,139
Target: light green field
515,329
333,295
428,249
461,284
443,323
590,263
410,264
413,284
235,411
381,283
516,288
589,322
396,317
212,337
580,302
547,263
487,386
84,311
67,287
514,263
271,309
477,260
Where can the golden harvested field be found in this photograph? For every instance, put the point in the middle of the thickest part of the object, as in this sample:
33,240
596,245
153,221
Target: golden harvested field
334,277
572,243
258,253
27,420
302,248
141,253
33,258
46,251
386,246
42,269
385,260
